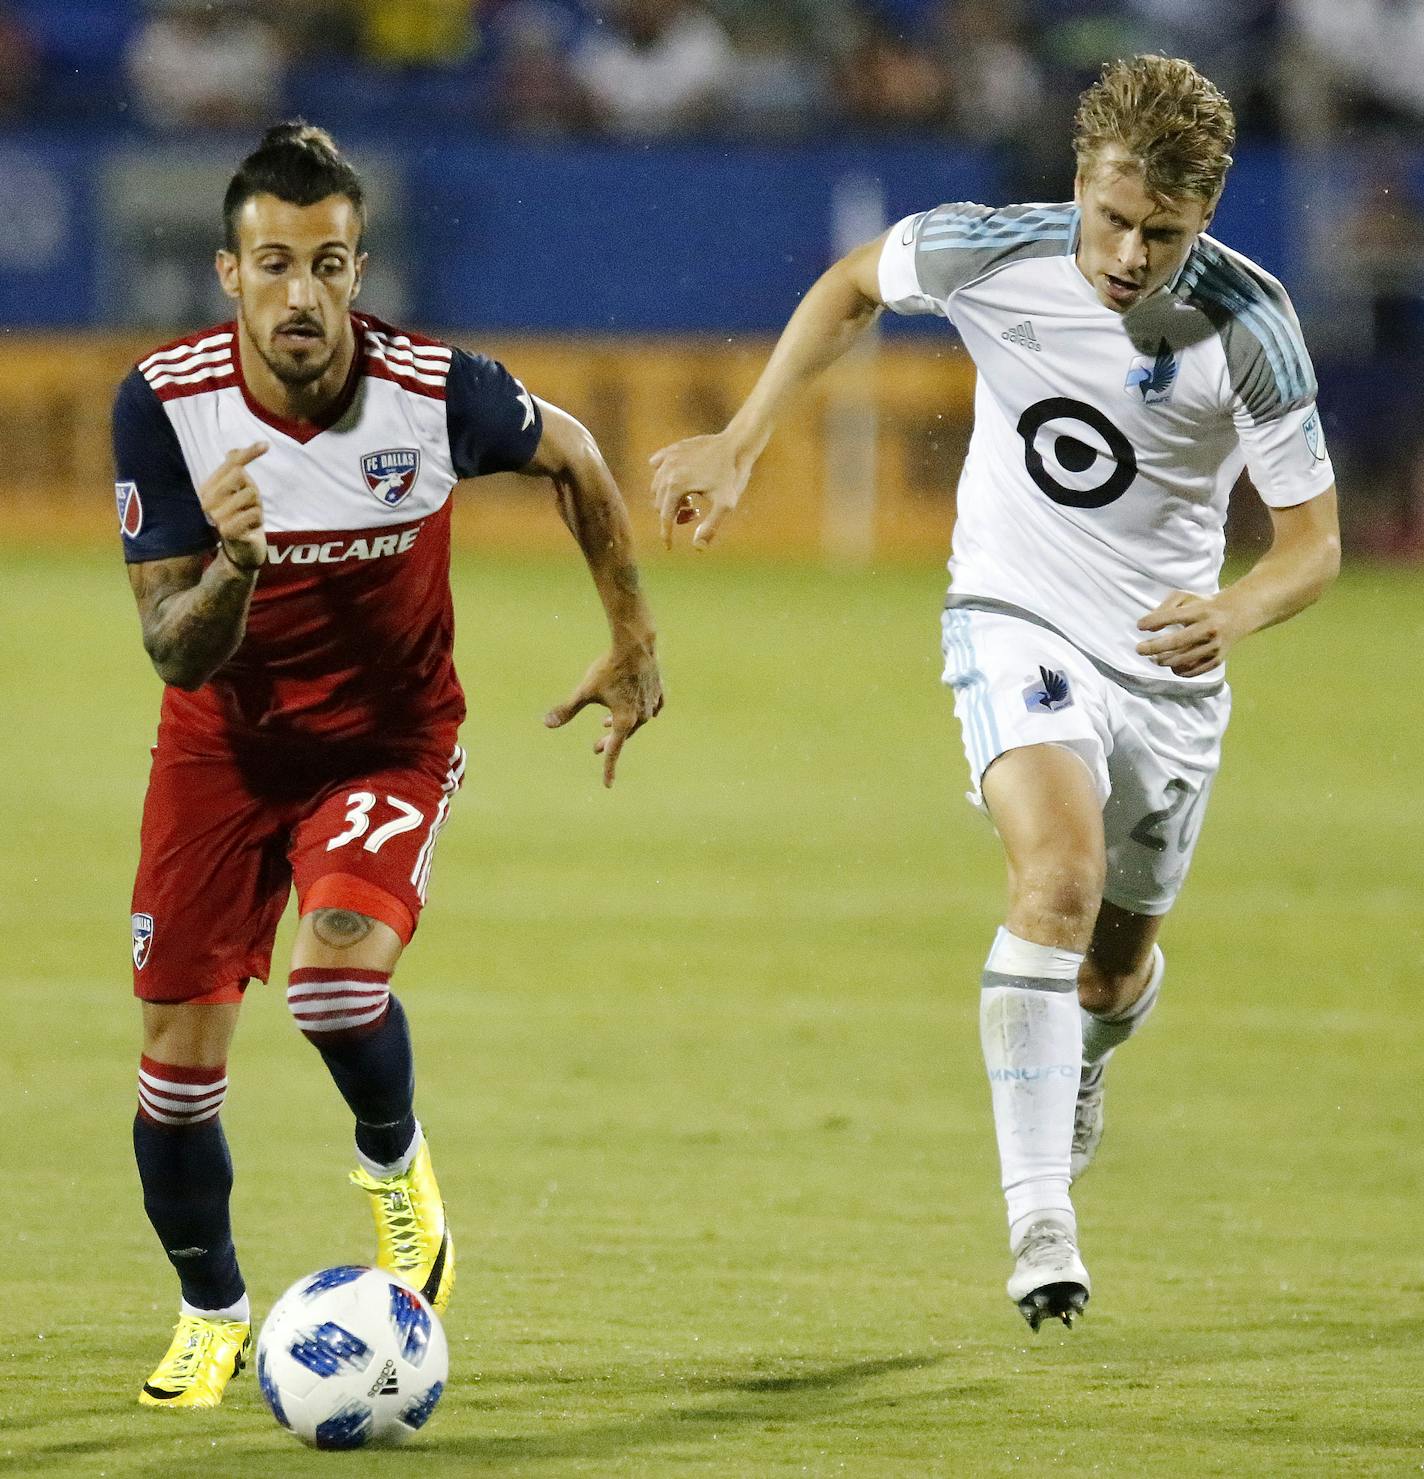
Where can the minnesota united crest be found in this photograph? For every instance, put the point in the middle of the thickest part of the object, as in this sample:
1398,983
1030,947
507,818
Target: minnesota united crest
1153,378
391,474
1049,694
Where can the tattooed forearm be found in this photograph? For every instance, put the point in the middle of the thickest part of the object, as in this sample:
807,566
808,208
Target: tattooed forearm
193,618
590,504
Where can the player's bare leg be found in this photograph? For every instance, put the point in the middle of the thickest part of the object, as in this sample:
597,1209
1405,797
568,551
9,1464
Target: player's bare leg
1045,804
186,1174
339,993
1117,990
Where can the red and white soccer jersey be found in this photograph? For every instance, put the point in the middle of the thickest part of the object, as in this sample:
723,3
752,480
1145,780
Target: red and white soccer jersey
322,753
351,629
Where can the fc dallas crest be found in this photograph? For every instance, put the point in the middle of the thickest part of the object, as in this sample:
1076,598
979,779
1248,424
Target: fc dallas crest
142,939
391,474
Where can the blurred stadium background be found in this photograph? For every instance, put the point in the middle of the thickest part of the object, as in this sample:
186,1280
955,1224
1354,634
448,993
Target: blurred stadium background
625,197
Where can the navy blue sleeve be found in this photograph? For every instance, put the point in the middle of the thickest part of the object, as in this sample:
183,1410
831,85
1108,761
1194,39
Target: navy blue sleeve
494,422
159,513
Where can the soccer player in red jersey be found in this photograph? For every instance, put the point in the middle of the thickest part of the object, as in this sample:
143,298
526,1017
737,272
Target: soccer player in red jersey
283,491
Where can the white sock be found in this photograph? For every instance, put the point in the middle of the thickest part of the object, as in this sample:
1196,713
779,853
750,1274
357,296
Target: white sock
397,1167
1103,1033
242,1310
1032,1038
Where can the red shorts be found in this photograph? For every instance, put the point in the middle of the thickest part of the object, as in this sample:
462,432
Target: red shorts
224,839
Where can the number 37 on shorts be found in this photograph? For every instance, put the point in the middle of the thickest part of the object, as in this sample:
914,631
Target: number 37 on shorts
381,828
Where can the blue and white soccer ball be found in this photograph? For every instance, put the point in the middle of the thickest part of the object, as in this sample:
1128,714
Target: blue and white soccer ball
352,1356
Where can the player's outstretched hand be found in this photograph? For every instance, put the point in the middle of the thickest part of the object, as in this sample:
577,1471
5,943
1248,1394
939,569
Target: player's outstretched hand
627,684
702,475
233,505
1196,633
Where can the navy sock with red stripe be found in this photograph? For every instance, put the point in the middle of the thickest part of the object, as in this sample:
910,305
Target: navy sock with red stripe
186,1173
363,1037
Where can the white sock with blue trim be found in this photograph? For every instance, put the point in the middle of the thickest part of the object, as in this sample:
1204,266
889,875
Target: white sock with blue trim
1032,1038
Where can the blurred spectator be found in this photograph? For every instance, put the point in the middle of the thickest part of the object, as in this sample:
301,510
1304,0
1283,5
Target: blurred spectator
195,65
533,87
823,29
416,33
1385,255
888,83
19,65
1370,56
985,45
779,88
655,66
1228,40
319,30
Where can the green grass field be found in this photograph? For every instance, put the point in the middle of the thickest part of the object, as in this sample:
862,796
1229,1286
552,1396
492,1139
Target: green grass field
699,1062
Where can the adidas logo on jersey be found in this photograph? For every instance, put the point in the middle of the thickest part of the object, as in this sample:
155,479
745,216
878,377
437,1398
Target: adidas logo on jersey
1023,335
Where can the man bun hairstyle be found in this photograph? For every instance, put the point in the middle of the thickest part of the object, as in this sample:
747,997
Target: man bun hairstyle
297,162
1176,128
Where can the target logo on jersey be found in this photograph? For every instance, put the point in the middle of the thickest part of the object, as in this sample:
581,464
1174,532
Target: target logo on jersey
391,474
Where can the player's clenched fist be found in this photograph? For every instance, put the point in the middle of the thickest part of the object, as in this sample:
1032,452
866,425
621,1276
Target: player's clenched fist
234,507
705,467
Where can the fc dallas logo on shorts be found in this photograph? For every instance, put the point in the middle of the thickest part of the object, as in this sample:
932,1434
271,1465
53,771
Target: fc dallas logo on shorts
142,939
130,509
391,474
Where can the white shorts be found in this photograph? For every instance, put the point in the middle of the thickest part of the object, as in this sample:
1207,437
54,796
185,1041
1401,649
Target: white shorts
1152,756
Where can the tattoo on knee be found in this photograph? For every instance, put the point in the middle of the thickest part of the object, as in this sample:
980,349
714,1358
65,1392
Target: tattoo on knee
340,928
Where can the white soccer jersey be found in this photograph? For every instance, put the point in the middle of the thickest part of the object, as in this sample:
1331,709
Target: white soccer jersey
1105,445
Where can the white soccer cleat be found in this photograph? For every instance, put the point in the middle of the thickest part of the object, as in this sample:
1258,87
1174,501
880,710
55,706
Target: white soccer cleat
1049,1281
1087,1119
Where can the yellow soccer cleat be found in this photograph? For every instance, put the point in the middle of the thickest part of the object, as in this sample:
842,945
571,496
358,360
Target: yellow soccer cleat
205,1355
412,1238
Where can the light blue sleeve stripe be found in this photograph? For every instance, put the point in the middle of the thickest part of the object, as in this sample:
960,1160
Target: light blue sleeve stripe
1250,302
996,748
974,735
997,230
1287,334
1270,327
965,222
969,244
981,730
1220,279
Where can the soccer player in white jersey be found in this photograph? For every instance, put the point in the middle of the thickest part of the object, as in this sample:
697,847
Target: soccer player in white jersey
284,499
1129,367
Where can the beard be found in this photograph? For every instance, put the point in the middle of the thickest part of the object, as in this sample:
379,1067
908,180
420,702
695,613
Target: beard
295,371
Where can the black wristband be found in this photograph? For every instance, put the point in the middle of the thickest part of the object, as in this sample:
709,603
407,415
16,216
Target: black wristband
242,569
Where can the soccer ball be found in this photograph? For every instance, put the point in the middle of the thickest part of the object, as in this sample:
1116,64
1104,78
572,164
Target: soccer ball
352,1356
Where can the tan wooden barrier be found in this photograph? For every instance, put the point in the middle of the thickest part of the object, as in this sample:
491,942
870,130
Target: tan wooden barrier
885,433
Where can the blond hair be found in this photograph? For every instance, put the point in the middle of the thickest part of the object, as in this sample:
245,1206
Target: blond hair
1174,126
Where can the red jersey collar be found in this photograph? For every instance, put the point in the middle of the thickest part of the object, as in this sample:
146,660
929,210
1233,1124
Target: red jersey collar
292,426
